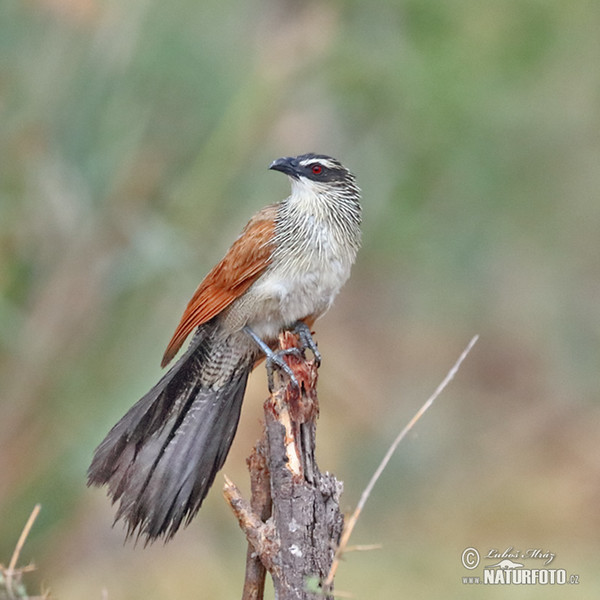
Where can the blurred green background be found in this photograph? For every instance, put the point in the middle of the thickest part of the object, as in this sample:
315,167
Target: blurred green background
135,139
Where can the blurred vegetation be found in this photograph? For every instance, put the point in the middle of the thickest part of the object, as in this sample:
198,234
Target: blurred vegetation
134,144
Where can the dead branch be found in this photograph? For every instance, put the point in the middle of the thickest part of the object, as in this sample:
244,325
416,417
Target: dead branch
260,503
300,524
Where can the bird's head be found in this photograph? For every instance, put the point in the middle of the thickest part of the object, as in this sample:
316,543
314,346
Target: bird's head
317,173
323,190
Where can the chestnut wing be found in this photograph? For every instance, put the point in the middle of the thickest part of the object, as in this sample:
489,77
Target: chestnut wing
244,262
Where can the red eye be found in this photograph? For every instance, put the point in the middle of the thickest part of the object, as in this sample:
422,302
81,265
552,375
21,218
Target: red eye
316,169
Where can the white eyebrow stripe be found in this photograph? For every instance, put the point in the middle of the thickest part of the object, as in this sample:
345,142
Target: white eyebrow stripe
320,161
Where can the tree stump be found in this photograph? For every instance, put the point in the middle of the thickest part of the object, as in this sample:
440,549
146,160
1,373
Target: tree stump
293,523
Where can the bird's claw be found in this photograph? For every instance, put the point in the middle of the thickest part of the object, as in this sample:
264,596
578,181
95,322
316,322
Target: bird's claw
275,360
302,330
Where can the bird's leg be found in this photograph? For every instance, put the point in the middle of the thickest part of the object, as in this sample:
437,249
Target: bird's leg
302,330
275,359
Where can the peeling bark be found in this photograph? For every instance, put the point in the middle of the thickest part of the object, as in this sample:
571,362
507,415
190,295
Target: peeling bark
293,525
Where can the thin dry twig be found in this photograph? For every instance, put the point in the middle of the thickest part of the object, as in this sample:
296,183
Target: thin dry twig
363,548
248,521
386,459
12,570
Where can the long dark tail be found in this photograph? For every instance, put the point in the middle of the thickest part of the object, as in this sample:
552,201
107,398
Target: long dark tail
161,458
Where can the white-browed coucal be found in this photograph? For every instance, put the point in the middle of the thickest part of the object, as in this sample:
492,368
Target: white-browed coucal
282,272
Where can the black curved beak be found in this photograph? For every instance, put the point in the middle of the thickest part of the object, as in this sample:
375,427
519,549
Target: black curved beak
287,165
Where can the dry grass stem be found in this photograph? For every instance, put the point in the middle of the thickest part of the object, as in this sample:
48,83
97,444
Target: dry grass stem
386,459
12,574
363,548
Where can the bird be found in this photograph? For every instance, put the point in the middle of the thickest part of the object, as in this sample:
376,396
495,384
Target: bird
281,273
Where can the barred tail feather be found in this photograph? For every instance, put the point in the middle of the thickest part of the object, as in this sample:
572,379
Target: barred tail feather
161,458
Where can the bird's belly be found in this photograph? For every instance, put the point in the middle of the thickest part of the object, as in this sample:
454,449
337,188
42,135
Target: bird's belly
284,298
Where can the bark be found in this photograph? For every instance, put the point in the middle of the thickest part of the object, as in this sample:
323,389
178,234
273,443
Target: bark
293,524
